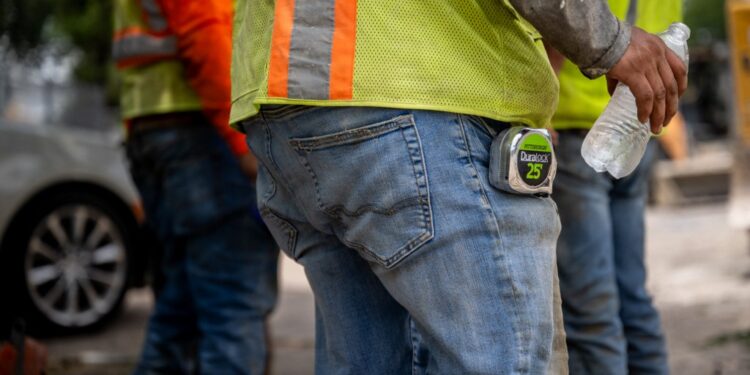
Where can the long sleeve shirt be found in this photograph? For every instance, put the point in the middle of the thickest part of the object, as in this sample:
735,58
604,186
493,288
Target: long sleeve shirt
585,31
204,40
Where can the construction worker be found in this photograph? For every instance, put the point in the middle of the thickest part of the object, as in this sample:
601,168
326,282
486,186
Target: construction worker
372,121
611,324
220,262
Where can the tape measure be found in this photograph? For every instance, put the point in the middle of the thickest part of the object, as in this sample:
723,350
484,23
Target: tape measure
522,161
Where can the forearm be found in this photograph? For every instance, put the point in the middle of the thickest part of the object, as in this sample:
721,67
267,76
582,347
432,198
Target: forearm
203,30
585,31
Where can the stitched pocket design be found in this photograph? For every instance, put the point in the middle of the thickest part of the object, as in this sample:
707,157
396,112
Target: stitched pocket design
372,182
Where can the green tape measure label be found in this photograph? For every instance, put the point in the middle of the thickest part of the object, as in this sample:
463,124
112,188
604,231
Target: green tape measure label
534,159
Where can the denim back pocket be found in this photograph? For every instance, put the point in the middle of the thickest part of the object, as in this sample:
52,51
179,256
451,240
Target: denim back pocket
372,182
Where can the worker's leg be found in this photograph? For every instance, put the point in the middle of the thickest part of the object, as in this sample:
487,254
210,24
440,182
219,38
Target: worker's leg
232,279
409,192
359,328
172,333
228,263
646,348
595,339
231,261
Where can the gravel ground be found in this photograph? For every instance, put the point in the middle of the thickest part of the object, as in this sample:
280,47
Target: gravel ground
700,278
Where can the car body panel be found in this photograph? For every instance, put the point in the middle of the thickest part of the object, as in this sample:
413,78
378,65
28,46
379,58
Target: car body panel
35,158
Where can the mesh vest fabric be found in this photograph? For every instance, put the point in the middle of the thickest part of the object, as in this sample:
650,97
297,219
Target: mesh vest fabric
583,100
472,57
154,88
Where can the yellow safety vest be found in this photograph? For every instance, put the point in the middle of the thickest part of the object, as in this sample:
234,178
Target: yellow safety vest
582,100
152,78
472,56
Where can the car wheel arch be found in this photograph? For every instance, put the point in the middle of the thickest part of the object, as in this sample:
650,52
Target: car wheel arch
36,201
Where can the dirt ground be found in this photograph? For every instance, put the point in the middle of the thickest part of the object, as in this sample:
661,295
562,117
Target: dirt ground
699,276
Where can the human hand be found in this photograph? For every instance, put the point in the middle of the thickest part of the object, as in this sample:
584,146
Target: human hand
655,76
249,165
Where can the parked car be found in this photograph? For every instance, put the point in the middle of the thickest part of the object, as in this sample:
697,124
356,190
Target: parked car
69,225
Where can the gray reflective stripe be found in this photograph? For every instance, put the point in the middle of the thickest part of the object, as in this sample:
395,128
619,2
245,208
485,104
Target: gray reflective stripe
155,17
632,12
310,49
133,46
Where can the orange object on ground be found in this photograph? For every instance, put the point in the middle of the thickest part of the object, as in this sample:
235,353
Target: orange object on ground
34,362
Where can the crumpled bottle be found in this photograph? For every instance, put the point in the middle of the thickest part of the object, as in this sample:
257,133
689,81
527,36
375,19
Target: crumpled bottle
617,141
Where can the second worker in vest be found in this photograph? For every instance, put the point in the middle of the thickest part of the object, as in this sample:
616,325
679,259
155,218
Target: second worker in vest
372,121
220,262
611,324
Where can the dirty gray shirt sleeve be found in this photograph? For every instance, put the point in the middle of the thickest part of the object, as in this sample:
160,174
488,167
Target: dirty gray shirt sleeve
585,31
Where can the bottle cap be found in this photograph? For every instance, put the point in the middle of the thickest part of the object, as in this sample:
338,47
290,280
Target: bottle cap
680,30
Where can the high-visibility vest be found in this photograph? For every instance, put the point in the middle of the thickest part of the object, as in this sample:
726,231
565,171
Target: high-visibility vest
582,100
471,56
145,51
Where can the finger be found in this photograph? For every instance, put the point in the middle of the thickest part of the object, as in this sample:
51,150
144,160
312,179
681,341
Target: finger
644,97
672,91
679,70
660,95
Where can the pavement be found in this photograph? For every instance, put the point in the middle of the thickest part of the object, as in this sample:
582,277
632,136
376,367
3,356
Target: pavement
114,349
699,276
699,270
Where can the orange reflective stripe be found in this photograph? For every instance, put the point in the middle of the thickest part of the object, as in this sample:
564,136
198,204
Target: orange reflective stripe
342,50
128,31
312,49
281,41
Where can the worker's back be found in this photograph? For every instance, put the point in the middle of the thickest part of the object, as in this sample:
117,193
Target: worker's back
145,50
473,57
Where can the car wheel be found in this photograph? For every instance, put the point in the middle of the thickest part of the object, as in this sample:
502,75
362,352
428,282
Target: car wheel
72,250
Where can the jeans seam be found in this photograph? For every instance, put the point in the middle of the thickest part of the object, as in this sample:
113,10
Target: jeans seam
414,348
349,136
423,189
289,229
269,155
291,232
519,326
314,177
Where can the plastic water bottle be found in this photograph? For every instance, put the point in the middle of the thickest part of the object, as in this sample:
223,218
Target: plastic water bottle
617,141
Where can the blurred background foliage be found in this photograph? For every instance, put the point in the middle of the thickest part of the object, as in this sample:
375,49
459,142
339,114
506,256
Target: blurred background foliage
706,16
62,26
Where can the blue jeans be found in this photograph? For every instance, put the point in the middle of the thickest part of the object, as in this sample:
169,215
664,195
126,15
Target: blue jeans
611,323
392,216
219,260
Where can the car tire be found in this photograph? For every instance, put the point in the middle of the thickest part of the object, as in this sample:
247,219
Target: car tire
71,251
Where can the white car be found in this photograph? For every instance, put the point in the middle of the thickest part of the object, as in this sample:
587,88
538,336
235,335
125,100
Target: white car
69,223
